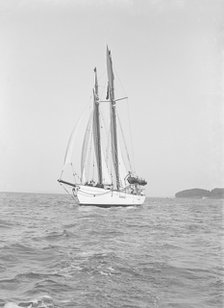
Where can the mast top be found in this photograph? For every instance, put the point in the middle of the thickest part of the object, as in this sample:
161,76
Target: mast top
110,76
95,90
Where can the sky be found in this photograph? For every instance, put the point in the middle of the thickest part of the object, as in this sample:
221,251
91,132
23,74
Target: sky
169,57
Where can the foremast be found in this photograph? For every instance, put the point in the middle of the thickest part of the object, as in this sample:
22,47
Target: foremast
114,142
96,130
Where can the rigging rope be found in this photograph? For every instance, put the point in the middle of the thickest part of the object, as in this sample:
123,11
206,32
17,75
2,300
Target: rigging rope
129,121
130,135
71,137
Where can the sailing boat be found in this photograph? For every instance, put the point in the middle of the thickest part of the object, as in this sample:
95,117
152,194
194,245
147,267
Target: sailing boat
112,184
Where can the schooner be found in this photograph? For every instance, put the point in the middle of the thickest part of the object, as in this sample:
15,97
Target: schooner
112,185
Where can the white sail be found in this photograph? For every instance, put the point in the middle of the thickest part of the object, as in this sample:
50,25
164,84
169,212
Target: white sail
71,141
69,148
105,172
85,149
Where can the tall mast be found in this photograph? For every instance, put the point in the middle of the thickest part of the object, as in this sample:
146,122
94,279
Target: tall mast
114,144
96,130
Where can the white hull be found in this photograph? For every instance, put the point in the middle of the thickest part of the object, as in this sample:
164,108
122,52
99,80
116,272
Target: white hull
88,195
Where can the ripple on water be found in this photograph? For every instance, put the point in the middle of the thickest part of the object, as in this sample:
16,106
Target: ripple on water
166,253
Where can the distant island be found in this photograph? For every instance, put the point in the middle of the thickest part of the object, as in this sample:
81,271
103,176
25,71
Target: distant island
198,193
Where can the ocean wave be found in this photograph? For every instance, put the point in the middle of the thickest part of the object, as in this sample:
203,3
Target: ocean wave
149,256
17,247
50,285
35,276
6,224
45,301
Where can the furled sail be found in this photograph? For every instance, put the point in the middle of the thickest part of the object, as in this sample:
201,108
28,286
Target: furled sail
110,75
96,131
114,145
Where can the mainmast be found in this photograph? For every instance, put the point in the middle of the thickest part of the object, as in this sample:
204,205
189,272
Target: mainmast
96,130
114,144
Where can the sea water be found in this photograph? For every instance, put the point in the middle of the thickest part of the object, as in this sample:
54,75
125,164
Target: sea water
166,253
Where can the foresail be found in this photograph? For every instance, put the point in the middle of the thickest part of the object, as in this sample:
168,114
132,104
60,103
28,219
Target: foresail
70,145
69,149
85,148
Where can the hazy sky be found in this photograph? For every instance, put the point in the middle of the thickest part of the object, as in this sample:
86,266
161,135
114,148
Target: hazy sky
169,57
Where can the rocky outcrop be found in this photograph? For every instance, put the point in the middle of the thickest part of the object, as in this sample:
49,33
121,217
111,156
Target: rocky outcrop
198,193
217,193
193,193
